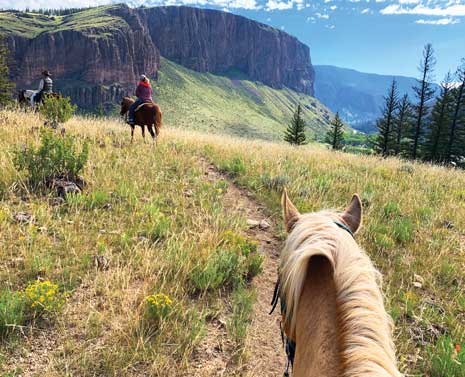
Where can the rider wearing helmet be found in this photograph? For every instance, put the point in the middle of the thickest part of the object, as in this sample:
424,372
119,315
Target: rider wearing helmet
45,86
144,94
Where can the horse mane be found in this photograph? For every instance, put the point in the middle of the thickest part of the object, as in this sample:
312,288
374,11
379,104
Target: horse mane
365,328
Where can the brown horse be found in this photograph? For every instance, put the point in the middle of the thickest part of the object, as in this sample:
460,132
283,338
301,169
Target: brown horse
148,115
333,311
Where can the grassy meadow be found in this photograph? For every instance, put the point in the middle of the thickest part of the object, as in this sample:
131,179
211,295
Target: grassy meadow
178,259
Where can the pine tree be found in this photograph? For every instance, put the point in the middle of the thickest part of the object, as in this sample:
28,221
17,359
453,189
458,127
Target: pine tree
437,138
456,138
424,92
335,135
295,133
6,86
402,123
386,123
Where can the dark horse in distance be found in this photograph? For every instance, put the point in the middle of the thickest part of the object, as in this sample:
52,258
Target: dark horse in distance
147,114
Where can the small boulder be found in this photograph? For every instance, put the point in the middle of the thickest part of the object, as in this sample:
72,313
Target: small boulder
264,225
57,201
64,188
252,223
23,217
101,262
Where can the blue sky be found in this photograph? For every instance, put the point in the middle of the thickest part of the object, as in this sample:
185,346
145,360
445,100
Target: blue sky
378,36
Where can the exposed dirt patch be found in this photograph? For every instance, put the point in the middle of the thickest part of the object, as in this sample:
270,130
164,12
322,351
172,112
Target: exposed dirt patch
264,351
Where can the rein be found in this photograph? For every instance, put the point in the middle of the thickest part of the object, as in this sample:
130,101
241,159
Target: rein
289,344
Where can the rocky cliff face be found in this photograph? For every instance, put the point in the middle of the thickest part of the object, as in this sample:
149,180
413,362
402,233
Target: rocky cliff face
213,41
98,56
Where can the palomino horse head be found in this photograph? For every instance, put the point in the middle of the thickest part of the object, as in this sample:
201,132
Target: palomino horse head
331,298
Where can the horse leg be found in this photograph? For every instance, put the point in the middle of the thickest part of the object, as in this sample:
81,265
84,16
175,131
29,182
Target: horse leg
143,133
132,134
152,133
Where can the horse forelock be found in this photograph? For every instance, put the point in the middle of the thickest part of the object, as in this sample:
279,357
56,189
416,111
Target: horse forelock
365,328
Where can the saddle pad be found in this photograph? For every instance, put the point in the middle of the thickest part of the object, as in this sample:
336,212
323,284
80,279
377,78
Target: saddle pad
143,104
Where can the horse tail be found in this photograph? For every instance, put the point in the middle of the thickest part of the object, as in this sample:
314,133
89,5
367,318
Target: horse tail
158,119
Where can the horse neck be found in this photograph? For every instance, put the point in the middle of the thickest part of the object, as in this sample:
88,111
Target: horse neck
316,331
365,328
339,323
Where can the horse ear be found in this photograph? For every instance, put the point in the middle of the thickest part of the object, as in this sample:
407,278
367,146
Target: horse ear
352,216
291,214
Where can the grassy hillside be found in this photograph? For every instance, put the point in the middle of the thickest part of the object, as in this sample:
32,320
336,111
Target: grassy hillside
90,21
208,102
165,227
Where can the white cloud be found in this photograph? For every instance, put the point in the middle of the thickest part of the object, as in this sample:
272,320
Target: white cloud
283,5
447,11
244,4
441,21
333,7
366,11
330,26
323,16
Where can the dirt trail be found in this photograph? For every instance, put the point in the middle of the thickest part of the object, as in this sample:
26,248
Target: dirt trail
265,354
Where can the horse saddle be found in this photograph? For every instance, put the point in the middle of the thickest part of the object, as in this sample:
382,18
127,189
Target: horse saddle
143,104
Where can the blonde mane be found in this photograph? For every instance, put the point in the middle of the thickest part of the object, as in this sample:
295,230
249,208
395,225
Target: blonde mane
365,329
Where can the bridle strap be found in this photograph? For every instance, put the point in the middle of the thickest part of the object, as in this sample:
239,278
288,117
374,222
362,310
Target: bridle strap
275,299
345,227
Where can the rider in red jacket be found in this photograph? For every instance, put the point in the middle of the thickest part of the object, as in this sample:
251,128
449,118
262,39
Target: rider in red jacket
144,94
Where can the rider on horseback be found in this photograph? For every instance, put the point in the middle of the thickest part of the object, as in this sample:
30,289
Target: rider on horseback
144,94
45,87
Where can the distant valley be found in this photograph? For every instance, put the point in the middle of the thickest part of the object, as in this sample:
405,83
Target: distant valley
356,95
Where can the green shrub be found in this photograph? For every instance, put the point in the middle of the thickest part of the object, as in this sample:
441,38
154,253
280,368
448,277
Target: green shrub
403,230
242,305
157,225
56,157
254,265
12,311
57,109
235,261
234,167
447,358
391,209
220,269
276,183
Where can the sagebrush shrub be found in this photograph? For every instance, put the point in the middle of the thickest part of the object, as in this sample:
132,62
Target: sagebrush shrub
235,261
55,157
233,167
242,306
12,311
57,109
